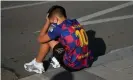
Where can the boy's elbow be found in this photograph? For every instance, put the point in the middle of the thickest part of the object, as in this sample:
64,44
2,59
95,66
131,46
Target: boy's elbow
39,40
42,39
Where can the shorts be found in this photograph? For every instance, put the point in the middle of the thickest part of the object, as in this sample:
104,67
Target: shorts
58,53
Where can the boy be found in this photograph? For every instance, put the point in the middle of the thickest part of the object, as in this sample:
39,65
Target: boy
66,38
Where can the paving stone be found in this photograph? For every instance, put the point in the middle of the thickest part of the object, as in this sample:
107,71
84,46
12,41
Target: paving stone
120,64
106,59
114,55
117,70
36,77
10,74
61,74
109,74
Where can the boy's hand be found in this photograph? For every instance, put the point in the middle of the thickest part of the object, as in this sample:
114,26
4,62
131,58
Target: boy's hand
47,19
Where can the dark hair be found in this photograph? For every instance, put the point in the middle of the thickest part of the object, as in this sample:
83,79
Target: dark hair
57,9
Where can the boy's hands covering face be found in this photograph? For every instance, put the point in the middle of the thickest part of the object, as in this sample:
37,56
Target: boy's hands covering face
47,19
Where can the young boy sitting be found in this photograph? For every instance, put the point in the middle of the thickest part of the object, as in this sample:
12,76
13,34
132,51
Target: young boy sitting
67,39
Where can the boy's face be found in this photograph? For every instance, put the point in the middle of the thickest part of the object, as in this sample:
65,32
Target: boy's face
53,19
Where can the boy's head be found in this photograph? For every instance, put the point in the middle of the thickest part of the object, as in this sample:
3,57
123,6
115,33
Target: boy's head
56,13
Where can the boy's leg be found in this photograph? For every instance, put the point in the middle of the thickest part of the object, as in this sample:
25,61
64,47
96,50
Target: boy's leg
55,62
58,53
44,49
36,65
43,52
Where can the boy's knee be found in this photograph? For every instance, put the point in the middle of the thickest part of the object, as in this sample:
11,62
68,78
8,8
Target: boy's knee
53,43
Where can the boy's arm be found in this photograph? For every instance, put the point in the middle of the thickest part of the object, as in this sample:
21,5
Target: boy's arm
43,36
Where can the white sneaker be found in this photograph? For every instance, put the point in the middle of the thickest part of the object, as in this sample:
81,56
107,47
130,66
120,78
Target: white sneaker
55,63
34,66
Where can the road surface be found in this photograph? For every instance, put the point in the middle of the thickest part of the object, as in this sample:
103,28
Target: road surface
111,21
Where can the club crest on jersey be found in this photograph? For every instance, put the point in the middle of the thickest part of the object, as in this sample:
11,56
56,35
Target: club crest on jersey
51,27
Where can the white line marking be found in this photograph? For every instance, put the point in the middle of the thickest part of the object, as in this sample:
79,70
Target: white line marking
102,20
116,50
36,32
26,5
107,20
99,13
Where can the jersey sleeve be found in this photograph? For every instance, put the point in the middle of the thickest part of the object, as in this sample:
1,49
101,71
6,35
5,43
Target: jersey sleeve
54,32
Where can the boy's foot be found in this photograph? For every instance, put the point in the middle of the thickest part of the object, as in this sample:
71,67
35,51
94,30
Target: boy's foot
34,66
55,63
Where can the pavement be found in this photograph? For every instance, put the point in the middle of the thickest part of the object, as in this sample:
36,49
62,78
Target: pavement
7,74
108,25
117,65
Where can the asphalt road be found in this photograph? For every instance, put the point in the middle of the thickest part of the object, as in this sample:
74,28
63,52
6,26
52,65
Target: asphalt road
18,24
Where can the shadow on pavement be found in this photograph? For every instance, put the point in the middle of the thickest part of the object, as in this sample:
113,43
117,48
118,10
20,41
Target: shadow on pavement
96,45
65,75
46,64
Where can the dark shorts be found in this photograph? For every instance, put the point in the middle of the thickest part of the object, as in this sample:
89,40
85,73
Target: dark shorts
58,52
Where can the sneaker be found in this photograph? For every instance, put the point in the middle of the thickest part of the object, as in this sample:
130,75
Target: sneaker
55,63
34,66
